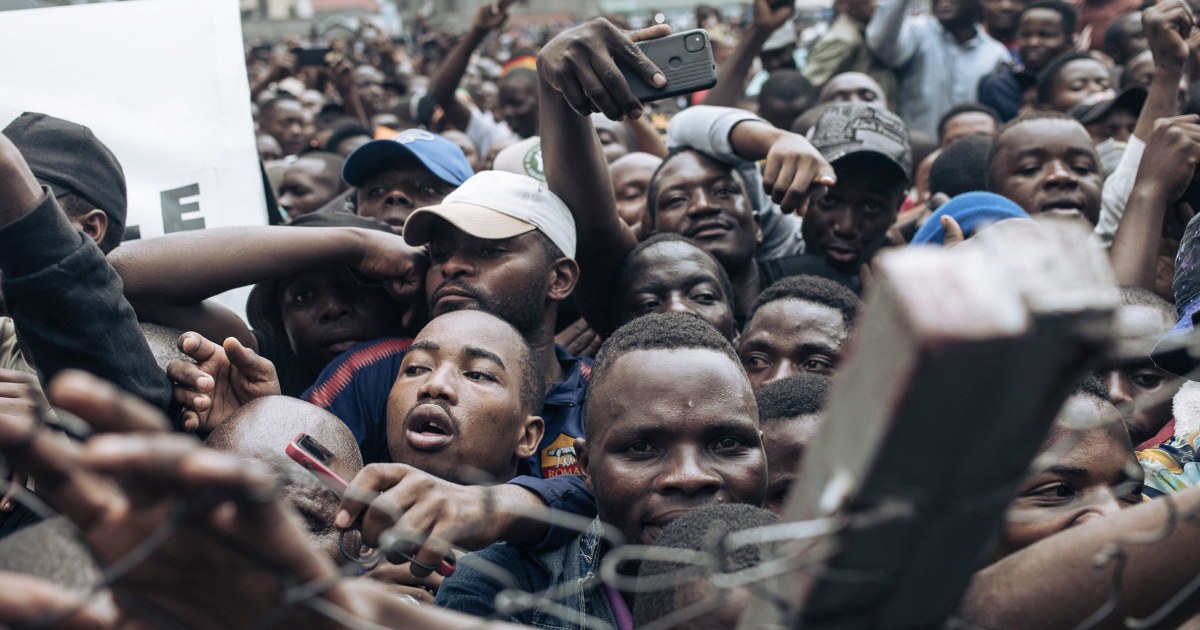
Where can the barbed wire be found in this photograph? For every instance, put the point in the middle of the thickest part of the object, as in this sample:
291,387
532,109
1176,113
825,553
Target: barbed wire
510,600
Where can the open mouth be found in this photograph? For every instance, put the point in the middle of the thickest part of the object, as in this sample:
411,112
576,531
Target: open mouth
1062,206
429,428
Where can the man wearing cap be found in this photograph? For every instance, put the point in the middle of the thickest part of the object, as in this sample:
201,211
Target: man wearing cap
84,176
64,299
392,178
501,243
868,148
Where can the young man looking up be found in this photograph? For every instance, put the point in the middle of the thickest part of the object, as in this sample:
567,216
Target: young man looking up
671,427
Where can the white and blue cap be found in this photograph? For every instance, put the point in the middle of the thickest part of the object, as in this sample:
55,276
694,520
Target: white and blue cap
497,205
442,157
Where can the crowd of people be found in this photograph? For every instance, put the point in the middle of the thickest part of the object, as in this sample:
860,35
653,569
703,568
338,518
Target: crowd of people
533,324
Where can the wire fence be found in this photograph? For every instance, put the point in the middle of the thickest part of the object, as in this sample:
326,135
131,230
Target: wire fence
1110,563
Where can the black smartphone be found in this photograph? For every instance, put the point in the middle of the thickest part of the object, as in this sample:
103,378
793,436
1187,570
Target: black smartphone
311,56
685,58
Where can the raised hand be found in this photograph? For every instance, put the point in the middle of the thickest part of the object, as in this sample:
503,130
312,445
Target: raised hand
222,379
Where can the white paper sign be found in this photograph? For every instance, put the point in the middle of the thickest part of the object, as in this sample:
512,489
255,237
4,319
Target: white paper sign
163,84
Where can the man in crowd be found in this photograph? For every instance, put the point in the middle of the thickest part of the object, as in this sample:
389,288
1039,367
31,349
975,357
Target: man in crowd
939,59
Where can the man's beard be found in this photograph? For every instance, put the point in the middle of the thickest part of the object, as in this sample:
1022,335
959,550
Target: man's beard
521,308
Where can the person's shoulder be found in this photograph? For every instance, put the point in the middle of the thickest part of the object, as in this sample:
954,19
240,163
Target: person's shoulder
373,360
478,577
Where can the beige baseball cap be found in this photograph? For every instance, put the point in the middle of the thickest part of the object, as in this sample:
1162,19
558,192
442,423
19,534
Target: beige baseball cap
497,205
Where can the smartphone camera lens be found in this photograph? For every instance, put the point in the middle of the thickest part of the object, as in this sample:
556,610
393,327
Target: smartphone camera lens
694,43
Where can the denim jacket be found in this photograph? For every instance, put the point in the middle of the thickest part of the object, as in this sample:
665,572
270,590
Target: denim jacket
578,599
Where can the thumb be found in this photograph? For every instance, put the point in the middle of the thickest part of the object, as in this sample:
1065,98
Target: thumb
954,233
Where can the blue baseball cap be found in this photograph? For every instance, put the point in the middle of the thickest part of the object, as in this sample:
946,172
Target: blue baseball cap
973,211
442,157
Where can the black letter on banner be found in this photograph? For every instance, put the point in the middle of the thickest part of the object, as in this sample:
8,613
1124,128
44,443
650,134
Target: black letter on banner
173,209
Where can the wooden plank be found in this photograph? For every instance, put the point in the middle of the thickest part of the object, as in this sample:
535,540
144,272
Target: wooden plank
959,364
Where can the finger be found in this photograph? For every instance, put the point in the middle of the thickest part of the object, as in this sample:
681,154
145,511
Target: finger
188,375
787,172
611,93
197,346
954,232
435,551
628,51
365,487
190,401
26,600
575,96
102,405
597,90
256,367
770,174
175,463
796,197
54,462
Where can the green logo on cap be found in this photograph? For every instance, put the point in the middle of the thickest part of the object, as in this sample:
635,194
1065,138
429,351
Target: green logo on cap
533,163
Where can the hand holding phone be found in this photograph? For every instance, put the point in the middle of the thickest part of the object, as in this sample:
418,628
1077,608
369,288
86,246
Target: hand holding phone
315,458
584,65
685,58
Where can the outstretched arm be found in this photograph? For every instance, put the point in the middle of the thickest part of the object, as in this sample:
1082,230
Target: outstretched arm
181,270
449,73
1165,172
1055,583
732,76
576,71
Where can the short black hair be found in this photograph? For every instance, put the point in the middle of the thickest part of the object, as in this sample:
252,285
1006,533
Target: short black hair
656,331
1111,35
965,108
1049,74
787,84
705,530
343,130
997,140
808,288
1091,386
962,167
652,185
1137,296
1067,12
274,102
799,395
666,237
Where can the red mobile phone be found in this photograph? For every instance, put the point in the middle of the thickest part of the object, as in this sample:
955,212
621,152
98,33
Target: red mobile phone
308,452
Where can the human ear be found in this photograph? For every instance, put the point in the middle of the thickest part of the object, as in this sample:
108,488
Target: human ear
564,273
94,223
758,235
532,429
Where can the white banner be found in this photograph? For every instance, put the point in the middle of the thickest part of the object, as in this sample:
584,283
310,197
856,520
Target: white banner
163,84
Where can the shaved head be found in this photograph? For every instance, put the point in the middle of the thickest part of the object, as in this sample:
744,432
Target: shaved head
262,429
268,424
